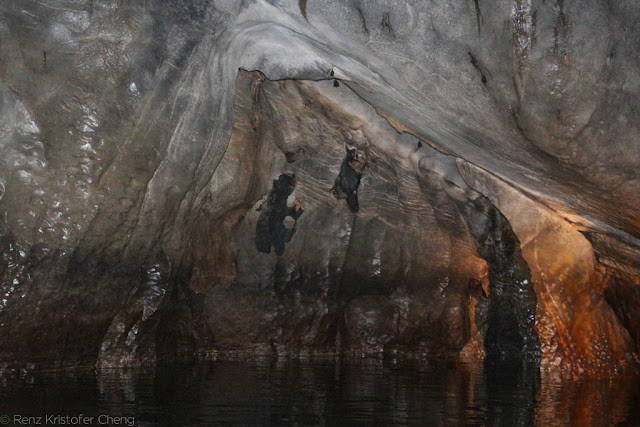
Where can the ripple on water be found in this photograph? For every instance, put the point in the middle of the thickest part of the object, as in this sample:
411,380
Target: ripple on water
331,393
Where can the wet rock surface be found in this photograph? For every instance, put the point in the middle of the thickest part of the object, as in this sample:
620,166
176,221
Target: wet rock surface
465,191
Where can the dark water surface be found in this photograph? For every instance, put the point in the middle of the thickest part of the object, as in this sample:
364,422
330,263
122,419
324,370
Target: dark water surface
318,393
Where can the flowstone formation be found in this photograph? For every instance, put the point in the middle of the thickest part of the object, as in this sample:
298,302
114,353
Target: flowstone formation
199,179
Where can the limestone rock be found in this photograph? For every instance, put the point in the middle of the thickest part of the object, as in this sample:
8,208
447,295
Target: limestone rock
451,179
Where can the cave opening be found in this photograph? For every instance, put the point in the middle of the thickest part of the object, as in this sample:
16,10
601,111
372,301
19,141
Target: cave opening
511,333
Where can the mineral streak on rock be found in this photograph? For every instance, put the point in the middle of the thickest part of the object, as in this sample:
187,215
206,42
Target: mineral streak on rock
271,230
347,183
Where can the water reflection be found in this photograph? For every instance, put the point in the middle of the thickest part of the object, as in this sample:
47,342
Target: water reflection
317,393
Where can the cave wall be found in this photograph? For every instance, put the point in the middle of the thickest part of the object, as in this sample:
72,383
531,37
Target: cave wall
461,181
578,329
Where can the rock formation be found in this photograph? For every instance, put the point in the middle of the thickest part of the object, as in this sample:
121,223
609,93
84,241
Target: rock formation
191,178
